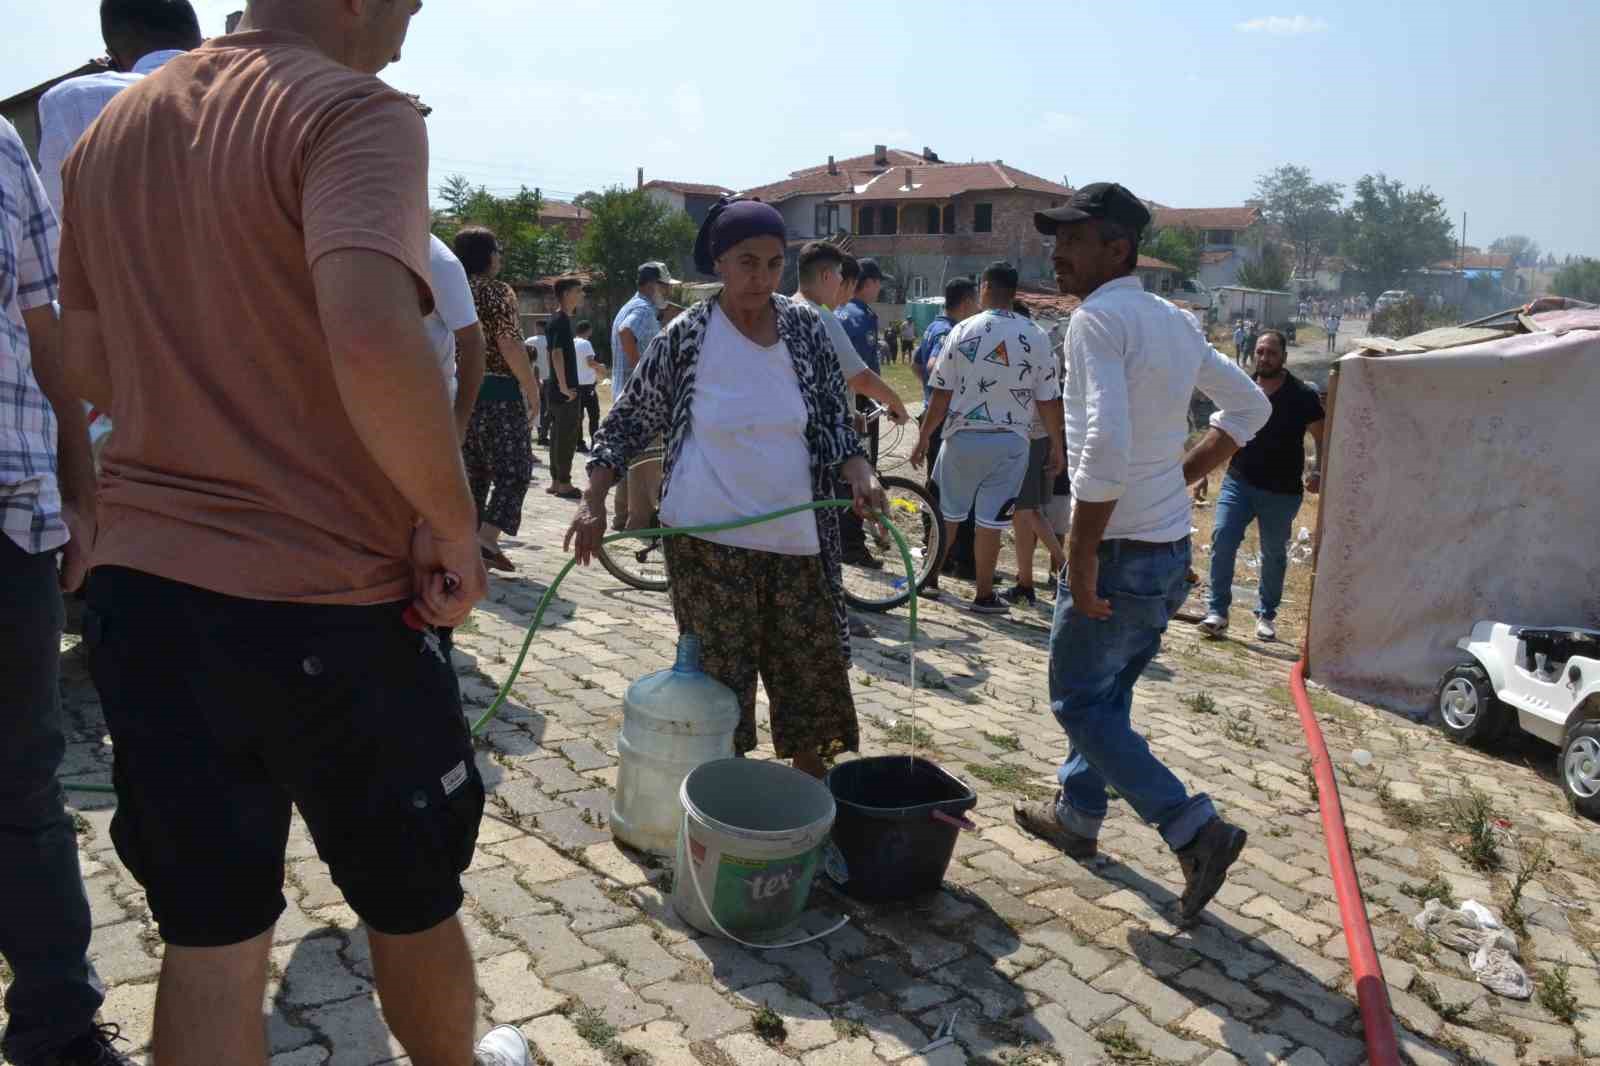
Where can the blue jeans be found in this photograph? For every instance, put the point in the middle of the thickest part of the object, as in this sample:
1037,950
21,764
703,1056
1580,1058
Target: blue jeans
1093,667
1238,504
44,914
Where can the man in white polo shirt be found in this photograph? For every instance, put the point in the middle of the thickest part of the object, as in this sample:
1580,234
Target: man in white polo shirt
1133,361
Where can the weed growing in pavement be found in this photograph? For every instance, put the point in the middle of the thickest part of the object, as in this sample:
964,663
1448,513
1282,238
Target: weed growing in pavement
1121,1046
1201,703
1405,812
1529,865
1435,887
592,1026
768,1025
1278,831
849,1028
1241,729
1474,815
1555,993
1313,791
908,734
1004,741
1007,779
1424,990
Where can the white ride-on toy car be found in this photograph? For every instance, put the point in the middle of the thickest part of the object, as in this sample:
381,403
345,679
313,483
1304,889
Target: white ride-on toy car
1544,680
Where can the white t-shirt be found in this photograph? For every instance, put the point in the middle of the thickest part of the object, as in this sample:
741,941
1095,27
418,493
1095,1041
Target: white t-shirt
453,308
541,356
997,366
745,454
586,374
849,359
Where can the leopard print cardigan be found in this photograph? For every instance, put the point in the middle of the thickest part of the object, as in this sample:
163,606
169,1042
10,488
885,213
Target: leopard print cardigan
660,394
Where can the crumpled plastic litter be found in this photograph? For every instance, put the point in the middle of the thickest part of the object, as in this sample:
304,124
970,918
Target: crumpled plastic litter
1491,950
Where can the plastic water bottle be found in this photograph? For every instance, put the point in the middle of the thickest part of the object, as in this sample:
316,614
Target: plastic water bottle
672,721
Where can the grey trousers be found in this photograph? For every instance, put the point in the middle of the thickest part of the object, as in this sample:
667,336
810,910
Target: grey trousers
44,913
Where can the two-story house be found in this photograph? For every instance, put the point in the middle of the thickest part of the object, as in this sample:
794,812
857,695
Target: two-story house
1223,249
692,198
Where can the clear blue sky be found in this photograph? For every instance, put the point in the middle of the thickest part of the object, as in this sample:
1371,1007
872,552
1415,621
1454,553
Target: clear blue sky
1186,104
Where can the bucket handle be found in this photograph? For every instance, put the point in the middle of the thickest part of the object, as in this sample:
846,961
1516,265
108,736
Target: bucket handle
959,822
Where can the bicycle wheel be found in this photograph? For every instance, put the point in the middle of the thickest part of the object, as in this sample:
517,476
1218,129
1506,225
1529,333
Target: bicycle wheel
639,563
913,513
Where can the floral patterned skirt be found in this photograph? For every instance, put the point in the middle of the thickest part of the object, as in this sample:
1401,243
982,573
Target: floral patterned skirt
761,613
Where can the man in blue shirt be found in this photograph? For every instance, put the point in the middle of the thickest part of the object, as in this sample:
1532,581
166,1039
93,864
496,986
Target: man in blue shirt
860,322
635,326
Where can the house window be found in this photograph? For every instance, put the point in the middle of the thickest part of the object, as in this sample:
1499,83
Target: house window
983,218
917,288
949,218
820,225
866,216
1223,237
933,220
890,222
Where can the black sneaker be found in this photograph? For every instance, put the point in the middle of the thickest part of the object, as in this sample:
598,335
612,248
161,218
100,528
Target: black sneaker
990,604
1020,594
1205,865
859,556
93,1049
581,448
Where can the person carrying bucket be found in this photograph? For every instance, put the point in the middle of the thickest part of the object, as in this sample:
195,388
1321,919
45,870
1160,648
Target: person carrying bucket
753,406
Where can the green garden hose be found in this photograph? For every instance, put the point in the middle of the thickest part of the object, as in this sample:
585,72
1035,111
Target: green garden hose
549,594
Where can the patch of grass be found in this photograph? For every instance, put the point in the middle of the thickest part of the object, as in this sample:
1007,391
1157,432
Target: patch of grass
80,824
768,1025
1435,887
1408,814
1240,727
1004,741
1200,703
1554,993
1473,815
1313,791
1530,865
1121,1046
592,1026
1007,779
908,734
849,1028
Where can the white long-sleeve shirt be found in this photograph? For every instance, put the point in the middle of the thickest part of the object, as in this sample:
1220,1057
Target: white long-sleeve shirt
1133,363
71,107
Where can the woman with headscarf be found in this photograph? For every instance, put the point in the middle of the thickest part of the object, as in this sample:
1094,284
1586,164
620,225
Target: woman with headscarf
748,392
498,452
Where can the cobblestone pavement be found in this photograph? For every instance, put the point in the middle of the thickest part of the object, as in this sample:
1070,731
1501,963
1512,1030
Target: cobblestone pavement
1044,958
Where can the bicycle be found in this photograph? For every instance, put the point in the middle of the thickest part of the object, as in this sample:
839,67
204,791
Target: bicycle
910,508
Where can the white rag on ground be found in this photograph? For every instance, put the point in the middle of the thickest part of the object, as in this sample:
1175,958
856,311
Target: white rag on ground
1473,930
1460,488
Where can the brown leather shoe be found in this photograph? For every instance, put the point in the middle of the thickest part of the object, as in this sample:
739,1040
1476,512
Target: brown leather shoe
1039,818
1205,865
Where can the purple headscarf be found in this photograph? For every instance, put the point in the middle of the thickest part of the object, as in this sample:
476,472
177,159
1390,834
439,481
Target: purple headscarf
733,220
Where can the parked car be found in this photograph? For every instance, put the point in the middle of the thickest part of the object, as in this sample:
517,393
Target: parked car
1542,680
1389,299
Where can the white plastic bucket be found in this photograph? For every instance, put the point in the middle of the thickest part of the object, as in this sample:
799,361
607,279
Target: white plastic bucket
752,839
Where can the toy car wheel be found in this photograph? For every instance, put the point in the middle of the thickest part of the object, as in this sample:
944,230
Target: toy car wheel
1466,707
1580,767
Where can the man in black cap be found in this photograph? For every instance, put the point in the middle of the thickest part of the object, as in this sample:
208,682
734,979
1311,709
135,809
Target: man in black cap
861,323
1133,361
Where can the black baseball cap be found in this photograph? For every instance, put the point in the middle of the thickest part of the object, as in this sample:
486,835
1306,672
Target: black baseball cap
870,270
1103,199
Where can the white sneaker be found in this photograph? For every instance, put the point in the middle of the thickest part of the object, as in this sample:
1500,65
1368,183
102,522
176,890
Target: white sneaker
1213,625
504,1045
1265,630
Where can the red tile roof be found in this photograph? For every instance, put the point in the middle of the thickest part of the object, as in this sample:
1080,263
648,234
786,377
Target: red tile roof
820,184
1477,261
1150,262
1213,258
941,181
560,209
1049,304
688,188
1208,217
898,157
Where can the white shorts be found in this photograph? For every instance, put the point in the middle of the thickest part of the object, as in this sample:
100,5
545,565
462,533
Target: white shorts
980,473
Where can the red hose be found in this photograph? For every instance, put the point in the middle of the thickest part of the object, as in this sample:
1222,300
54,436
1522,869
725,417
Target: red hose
1372,994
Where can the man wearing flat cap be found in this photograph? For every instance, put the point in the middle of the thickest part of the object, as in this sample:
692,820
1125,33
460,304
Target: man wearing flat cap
1132,362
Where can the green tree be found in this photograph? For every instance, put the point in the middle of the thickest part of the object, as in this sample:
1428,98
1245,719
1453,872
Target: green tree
1392,229
1178,245
1523,250
1269,271
1304,212
626,228
1579,280
531,250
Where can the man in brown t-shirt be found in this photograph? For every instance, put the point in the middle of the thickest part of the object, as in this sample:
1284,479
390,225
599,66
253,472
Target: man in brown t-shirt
249,227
